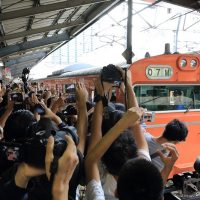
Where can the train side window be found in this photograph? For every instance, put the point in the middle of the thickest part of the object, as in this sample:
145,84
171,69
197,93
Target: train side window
168,97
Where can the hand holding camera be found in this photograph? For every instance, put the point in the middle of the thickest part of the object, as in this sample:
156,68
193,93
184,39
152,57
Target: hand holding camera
66,163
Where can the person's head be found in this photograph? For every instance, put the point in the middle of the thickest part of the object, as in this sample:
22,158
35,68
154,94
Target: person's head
110,120
121,150
139,179
175,131
120,106
17,125
71,115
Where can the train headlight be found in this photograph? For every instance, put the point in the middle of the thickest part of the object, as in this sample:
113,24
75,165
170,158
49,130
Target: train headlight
183,63
193,63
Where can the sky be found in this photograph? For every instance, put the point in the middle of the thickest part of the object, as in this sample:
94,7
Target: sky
105,41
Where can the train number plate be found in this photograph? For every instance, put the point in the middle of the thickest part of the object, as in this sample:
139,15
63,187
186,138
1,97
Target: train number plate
159,72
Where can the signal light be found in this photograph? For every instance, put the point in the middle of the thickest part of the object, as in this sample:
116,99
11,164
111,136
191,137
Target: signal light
193,63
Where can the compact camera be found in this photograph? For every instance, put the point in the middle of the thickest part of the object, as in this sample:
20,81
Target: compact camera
148,117
111,74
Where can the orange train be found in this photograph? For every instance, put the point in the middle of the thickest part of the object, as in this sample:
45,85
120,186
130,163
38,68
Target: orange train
168,85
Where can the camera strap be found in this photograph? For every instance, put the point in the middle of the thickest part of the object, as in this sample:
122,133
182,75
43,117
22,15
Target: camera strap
125,91
104,98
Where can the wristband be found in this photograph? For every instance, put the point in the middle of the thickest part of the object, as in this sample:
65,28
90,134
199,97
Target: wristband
101,98
61,125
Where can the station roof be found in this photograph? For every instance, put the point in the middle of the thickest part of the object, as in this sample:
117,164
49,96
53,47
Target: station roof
31,29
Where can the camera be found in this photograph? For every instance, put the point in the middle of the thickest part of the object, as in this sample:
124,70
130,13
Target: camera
111,74
33,150
148,117
71,88
185,185
17,97
71,98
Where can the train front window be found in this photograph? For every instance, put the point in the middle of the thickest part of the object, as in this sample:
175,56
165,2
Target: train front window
168,97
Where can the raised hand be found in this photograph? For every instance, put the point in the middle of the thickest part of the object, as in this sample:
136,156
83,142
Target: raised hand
133,115
81,93
66,163
172,157
25,172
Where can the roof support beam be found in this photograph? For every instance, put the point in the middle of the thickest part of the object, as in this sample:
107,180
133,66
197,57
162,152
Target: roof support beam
33,44
47,8
20,65
41,30
25,58
31,18
70,17
20,68
55,21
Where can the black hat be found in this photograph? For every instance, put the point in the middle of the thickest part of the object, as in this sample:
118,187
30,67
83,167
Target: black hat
70,110
46,125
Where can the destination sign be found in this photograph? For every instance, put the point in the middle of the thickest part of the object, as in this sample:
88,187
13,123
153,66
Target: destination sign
159,72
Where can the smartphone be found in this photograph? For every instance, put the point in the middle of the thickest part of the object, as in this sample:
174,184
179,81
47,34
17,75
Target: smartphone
17,97
39,109
71,98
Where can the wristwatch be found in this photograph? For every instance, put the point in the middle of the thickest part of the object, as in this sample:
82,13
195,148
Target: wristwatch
98,98
104,100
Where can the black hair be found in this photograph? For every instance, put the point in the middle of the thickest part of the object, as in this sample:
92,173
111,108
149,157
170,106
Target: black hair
17,124
70,110
121,150
175,130
112,119
139,179
120,106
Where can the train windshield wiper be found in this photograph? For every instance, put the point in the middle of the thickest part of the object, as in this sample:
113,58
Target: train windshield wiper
150,100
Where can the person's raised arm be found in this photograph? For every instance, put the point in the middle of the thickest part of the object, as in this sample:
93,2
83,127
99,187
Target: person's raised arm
66,166
132,102
82,122
59,103
51,115
15,188
169,160
96,133
130,117
25,172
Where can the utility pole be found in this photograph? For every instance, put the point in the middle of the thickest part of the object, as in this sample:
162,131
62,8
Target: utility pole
128,54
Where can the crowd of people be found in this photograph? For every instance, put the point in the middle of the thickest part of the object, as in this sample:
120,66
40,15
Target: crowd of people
50,149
